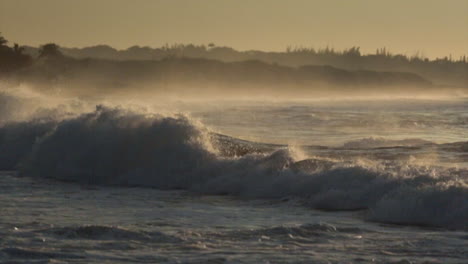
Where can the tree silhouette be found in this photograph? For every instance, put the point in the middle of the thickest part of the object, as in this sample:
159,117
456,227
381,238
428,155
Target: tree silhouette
18,49
50,50
12,59
3,41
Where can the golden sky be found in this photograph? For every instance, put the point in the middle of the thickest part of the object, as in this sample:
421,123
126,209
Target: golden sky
435,28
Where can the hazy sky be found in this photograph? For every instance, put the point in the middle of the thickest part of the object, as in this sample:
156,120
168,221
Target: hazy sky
433,27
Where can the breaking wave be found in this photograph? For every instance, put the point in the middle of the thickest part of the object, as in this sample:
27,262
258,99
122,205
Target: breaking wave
113,146
17,140
120,147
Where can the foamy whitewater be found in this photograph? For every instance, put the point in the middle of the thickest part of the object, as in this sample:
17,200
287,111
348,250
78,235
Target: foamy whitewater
319,181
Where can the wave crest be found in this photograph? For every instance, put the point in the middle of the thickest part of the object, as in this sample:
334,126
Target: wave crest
114,146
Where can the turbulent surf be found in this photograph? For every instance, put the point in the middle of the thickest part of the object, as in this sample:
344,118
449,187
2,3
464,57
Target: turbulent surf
271,157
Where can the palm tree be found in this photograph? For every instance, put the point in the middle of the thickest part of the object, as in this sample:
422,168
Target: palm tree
3,41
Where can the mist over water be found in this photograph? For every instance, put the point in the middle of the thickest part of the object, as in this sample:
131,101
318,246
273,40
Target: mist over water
362,162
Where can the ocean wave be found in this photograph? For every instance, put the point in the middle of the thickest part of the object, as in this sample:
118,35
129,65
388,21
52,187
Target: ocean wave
20,253
301,231
456,147
114,146
17,140
96,232
120,147
379,142
442,204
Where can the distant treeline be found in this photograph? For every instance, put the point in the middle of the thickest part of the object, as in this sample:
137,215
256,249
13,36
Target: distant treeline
446,71
221,69
197,76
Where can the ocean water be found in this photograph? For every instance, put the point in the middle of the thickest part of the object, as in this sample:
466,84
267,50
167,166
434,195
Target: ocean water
318,181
